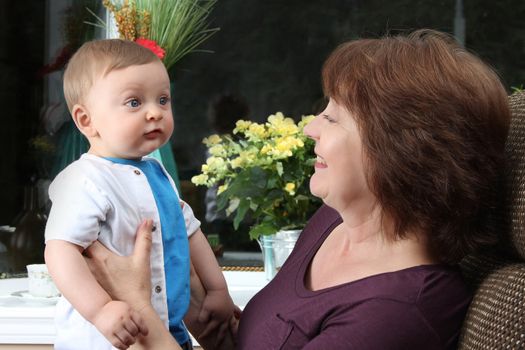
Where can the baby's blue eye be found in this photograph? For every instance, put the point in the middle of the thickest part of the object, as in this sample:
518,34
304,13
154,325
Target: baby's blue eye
164,100
134,103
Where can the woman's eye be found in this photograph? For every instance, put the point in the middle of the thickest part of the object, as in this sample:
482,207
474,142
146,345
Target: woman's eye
329,119
164,100
134,103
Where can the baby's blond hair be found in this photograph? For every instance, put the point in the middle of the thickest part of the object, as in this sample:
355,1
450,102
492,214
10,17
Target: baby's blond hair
98,58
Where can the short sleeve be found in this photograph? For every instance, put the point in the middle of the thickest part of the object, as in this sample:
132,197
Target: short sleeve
192,223
78,208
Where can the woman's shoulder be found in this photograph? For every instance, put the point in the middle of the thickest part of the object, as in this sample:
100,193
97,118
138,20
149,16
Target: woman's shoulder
416,285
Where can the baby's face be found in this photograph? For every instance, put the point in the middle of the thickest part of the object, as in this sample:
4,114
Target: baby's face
130,109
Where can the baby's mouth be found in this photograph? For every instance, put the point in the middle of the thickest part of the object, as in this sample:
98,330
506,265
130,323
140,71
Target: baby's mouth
153,133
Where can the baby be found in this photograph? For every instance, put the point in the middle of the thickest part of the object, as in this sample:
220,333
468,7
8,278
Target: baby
118,93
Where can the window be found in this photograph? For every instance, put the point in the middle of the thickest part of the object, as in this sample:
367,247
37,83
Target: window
270,52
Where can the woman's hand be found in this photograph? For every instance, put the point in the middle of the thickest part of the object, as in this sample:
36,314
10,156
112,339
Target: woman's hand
125,278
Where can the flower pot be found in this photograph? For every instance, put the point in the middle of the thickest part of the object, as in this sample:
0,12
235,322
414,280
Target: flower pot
276,248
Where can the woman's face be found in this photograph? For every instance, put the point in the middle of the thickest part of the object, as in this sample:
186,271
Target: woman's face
339,178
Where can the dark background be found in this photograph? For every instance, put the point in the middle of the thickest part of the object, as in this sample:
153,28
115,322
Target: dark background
268,51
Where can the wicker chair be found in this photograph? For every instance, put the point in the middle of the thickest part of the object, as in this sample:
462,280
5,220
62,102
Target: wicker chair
496,317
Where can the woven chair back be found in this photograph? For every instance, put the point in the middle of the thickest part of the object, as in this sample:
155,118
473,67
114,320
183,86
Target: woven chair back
496,316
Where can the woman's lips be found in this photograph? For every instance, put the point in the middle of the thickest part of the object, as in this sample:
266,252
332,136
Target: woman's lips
319,165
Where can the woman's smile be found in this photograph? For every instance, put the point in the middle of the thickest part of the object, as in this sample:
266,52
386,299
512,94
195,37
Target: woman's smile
320,163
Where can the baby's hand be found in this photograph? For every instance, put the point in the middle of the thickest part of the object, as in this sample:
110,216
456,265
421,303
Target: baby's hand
120,324
218,305
217,311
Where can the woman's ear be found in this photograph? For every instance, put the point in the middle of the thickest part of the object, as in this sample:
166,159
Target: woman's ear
83,121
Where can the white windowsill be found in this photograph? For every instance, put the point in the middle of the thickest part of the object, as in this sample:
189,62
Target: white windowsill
21,323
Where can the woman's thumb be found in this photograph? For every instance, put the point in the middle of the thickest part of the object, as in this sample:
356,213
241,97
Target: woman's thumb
143,240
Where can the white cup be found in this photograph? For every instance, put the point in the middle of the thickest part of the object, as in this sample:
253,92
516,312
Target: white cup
40,282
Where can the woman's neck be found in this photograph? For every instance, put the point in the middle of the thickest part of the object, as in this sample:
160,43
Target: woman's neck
365,234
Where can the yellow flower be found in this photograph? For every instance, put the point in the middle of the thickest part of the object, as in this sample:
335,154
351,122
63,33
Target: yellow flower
283,149
215,166
221,189
256,132
305,120
276,118
212,140
266,149
290,188
281,126
217,150
201,179
241,126
245,158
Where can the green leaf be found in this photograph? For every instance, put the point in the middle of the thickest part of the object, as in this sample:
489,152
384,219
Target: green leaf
100,22
178,26
244,205
258,177
265,228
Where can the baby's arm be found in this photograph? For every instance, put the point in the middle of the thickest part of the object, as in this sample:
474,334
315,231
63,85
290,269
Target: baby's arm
116,320
218,303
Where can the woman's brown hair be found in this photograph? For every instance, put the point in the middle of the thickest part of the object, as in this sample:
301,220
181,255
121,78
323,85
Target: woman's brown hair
433,119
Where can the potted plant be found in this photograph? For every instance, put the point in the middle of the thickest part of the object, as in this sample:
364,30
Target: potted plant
263,171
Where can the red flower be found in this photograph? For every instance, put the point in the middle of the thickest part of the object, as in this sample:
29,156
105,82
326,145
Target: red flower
152,45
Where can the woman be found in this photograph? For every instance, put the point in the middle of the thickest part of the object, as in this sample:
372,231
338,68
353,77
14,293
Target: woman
408,151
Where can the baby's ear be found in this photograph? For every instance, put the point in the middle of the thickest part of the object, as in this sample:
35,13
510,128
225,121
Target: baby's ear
83,120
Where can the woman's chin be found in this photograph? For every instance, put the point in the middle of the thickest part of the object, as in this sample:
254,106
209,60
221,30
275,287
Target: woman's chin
316,189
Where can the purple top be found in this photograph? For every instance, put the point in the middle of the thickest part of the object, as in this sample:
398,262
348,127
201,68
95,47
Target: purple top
421,307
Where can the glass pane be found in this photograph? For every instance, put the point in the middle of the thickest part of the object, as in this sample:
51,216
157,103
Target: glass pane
268,53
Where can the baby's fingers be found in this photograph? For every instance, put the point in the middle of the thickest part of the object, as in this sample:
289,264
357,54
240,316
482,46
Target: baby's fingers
210,328
125,339
234,325
204,316
130,326
139,323
221,334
